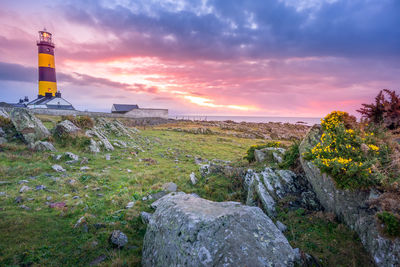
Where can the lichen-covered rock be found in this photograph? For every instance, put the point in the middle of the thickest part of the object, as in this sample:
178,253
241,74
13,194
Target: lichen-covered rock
4,113
118,238
94,147
269,186
66,127
43,146
352,207
190,231
30,127
103,139
270,154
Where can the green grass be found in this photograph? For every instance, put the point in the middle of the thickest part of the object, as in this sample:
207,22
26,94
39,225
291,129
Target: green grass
320,235
46,236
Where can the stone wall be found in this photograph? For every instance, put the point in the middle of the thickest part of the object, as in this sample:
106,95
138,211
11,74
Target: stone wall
137,113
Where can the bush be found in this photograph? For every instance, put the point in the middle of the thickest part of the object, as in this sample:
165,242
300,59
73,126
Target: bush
5,123
291,157
77,140
391,222
386,112
349,155
250,152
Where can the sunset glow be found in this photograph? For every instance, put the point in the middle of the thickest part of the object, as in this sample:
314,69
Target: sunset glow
284,58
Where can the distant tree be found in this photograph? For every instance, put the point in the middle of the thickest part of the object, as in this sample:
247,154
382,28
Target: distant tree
386,112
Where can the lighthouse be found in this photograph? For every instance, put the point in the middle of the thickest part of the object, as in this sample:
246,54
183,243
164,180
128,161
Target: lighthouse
48,97
47,68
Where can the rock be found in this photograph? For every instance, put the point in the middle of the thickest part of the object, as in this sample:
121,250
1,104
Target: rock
128,170
350,206
281,226
23,182
84,168
40,187
58,168
170,187
57,157
108,156
130,205
118,238
193,178
146,217
71,156
120,144
30,127
81,221
2,194
4,113
94,147
270,154
271,186
84,160
103,139
66,127
49,198
71,181
18,199
57,205
190,231
42,146
24,188
24,207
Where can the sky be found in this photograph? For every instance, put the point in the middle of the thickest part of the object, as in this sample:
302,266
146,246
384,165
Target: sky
302,58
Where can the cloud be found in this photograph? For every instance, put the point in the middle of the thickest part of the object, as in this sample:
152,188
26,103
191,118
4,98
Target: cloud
249,29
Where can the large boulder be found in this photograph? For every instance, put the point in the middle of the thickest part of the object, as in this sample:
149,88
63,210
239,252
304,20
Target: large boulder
66,127
186,230
30,127
352,207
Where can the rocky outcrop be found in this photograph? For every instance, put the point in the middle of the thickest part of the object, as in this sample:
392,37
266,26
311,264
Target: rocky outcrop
270,186
30,127
4,113
270,154
103,139
186,230
42,146
66,127
352,207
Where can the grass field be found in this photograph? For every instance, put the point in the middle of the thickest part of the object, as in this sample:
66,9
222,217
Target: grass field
44,236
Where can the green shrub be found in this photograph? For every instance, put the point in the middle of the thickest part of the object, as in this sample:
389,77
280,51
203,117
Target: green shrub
6,123
250,152
391,222
84,122
291,156
65,140
350,155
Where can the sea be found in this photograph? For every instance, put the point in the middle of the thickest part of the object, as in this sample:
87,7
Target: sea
294,120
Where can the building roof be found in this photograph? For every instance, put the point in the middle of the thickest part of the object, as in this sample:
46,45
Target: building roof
53,102
124,108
